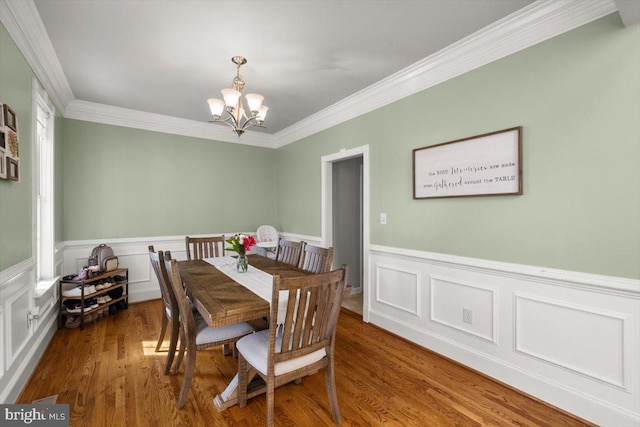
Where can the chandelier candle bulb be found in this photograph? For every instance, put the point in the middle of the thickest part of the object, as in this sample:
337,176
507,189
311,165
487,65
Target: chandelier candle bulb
231,97
255,102
262,113
217,107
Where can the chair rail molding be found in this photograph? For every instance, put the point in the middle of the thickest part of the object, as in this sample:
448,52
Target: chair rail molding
568,338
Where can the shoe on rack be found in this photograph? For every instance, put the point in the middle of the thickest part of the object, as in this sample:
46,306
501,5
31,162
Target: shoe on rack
99,287
93,303
77,291
82,275
107,284
73,292
72,322
120,279
75,309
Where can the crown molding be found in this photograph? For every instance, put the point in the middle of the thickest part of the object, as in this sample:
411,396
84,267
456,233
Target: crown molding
110,115
23,23
533,24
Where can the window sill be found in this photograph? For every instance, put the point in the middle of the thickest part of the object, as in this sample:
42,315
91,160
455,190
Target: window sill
44,286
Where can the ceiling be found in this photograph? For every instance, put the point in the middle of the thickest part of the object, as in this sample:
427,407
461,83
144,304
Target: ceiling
168,57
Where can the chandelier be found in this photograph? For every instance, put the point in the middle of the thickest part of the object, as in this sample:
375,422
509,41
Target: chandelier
232,104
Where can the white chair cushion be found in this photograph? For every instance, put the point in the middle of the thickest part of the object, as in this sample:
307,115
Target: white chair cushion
254,348
205,334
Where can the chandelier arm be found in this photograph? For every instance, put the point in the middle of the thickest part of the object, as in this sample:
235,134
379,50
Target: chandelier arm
247,123
230,120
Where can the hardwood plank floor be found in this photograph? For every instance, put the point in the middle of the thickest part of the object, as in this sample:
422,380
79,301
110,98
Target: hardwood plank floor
110,375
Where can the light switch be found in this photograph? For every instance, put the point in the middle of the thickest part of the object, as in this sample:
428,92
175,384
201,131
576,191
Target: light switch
383,218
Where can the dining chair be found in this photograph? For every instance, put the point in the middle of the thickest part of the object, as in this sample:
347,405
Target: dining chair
288,252
170,313
195,333
315,259
308,332
204,247
267,233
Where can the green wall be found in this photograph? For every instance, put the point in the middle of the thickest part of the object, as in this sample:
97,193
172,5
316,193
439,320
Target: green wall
577,97
15,197
123,182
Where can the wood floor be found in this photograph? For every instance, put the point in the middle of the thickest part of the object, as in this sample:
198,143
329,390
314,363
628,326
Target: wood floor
110,375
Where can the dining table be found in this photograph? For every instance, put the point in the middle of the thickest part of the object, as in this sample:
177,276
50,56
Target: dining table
221,300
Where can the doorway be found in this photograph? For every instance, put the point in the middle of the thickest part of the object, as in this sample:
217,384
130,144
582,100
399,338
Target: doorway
345,218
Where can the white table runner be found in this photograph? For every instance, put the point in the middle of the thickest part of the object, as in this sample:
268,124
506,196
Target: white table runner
256,280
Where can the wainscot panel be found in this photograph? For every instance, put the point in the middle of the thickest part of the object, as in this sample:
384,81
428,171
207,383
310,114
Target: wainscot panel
25,328
568,338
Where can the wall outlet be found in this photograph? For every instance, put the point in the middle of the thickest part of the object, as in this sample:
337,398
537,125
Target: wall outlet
467,316
383,218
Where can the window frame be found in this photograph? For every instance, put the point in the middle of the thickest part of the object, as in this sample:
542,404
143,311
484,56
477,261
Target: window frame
43,187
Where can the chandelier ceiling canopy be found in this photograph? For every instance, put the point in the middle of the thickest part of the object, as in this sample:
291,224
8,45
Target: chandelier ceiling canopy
236,116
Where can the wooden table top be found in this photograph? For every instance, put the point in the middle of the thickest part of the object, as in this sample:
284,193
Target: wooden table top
221,300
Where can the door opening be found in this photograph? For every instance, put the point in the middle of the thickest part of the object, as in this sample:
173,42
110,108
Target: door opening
345,217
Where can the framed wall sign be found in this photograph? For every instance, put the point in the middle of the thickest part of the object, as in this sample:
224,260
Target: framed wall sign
482,165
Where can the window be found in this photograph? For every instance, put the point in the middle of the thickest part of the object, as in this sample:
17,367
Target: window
43,185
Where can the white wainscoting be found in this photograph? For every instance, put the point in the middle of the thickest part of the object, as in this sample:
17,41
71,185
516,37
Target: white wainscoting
568,338
23,334
2,340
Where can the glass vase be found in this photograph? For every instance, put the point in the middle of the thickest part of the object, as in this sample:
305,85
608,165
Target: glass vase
242,265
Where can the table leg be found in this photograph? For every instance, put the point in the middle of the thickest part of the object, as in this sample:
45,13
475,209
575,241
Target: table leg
229,397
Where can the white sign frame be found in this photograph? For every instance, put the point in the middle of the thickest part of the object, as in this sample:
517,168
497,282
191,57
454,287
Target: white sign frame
481,165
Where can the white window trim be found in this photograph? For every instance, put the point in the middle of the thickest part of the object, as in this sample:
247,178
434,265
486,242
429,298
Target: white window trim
43,185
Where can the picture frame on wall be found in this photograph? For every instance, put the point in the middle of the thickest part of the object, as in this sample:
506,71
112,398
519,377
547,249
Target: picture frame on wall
10,119
13,169
3,164
12,144
483,165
